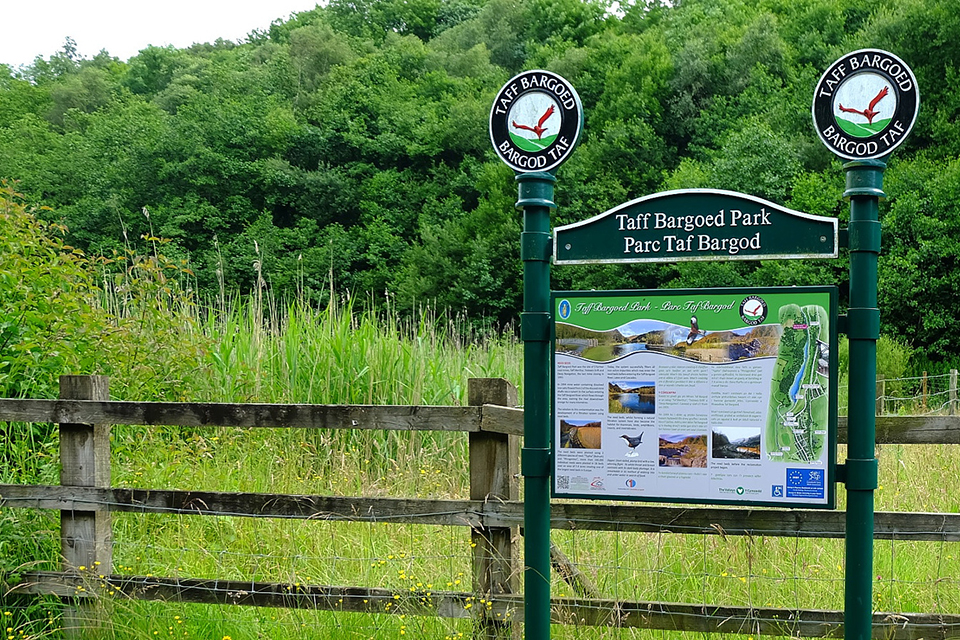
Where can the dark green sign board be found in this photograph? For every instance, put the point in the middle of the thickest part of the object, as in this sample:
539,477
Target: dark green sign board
696,224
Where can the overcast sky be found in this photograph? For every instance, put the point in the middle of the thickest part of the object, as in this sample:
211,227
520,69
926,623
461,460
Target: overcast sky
124,27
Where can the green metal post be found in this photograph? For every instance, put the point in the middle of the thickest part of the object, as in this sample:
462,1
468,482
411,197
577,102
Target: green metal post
536,200
864,188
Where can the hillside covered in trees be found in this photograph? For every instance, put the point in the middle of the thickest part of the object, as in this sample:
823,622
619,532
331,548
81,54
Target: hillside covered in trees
346,149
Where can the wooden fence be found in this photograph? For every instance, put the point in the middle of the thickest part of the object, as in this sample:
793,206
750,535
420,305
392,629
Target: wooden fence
86,500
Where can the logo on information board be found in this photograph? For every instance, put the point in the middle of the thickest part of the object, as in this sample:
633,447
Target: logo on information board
564,309
535,121
865,104
753,310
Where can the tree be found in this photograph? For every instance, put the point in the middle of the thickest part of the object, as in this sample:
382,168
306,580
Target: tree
87,90
153,69
920,264
349,143
45,289
19,97
314,51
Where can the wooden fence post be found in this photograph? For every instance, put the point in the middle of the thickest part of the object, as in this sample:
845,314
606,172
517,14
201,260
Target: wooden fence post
953,392
881,392
494,471
86,537
923,390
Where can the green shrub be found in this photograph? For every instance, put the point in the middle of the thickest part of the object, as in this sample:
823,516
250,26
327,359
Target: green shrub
49,324
893,361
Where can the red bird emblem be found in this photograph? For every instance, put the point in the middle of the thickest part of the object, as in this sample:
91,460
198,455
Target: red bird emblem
868,113
539,129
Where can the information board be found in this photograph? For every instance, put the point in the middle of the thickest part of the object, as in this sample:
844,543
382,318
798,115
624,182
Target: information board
701,396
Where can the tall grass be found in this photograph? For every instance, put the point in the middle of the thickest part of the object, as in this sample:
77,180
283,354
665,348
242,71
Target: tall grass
342,354
261,351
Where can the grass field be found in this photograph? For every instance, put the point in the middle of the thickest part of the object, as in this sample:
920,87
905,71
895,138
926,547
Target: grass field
255,351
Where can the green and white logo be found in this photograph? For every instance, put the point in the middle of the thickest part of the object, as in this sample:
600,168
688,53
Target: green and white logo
865,105
753,310
535,120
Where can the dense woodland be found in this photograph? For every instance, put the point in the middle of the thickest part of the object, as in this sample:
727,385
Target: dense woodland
346,149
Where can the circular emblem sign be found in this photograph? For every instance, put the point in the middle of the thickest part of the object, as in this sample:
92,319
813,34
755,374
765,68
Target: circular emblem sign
865,104
753,310
535,121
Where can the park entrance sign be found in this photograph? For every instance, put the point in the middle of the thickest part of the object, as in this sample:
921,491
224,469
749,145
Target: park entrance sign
742,409
695,224
706,395
702,396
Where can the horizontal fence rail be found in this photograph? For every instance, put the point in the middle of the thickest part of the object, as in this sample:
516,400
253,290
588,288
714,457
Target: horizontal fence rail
666,616
804,523
489,425
489,418
298,416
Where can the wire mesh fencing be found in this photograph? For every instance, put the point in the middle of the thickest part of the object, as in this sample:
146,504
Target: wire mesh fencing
934,394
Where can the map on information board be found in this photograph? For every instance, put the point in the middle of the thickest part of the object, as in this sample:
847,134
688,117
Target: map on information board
711,395
799,402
